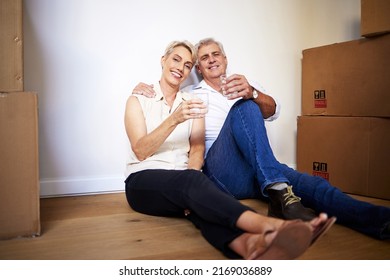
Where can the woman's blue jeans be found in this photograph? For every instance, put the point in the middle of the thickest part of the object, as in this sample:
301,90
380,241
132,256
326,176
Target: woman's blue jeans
241,163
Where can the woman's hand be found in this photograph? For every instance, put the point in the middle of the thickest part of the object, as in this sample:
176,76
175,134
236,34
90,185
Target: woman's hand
190,109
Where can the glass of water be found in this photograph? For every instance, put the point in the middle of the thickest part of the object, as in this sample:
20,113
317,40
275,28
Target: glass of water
222,79
204,96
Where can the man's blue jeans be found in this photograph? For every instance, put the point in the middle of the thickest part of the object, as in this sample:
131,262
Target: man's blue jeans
241,163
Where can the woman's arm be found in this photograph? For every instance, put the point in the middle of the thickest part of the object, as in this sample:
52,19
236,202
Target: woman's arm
197,143
143,144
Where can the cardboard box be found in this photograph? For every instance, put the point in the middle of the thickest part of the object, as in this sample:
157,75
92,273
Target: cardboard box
11,45
352,153
347,79
19,177
375,17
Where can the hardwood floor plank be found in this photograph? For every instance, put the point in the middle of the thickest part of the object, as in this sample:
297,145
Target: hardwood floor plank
105,227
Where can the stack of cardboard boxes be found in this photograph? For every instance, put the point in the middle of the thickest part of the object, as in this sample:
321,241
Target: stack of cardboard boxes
19,177
344,131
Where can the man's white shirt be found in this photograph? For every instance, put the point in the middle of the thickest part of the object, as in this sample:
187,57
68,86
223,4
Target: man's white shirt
219,107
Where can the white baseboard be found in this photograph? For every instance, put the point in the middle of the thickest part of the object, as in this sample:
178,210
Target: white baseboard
85,186
81,186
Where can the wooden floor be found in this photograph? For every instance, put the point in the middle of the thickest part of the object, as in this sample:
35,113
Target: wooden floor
102,227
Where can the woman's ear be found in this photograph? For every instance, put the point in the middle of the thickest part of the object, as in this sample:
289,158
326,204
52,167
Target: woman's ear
162,61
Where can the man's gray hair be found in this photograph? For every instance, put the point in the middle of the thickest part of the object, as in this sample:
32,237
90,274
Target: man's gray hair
208,41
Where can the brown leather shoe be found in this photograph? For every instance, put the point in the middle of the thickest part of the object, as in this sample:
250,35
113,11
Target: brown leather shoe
284,204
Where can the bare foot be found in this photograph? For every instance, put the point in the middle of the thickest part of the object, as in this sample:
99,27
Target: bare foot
321,219
321,225
289,241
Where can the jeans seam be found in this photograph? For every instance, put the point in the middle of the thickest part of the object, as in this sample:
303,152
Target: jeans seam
252,144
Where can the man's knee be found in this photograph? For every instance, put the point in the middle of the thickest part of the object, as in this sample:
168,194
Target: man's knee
247,106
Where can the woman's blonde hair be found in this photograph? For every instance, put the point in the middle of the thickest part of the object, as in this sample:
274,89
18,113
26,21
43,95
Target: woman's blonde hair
185,44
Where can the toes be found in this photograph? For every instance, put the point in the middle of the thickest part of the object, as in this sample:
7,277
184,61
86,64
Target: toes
321,219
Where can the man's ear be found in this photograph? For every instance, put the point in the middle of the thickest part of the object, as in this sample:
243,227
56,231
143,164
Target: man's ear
197,69
162,61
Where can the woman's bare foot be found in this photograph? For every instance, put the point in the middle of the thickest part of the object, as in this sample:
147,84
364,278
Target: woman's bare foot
243,244
289,241
321,218
321,225
253,222
261,241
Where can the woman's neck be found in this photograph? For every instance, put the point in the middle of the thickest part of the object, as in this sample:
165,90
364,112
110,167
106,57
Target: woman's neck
169,91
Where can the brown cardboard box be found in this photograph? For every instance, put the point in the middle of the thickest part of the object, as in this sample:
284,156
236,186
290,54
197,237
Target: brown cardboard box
347,79
375,17
19,178
353,153
11,45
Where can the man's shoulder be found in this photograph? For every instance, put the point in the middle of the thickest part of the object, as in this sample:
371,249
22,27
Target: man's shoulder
189,88
193,87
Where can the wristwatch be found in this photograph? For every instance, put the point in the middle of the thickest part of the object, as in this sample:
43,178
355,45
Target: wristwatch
254,94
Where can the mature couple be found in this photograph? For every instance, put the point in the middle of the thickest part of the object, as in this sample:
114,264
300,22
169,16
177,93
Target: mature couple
170,144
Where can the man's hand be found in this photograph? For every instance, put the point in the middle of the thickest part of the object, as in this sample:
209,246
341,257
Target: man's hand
144,89
238,86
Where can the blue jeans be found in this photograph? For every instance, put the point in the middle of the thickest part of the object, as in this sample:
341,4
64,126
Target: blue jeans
241,163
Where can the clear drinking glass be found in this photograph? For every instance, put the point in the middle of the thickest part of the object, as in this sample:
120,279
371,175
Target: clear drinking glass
204,96
223,82
222,79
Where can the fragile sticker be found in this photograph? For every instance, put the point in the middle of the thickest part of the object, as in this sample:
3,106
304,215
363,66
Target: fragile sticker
320,99
320,169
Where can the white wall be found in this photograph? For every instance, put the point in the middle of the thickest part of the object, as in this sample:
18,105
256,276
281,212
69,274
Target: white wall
83,57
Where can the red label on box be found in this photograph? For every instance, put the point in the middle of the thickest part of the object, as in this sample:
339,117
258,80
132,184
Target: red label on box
324,175
321,103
